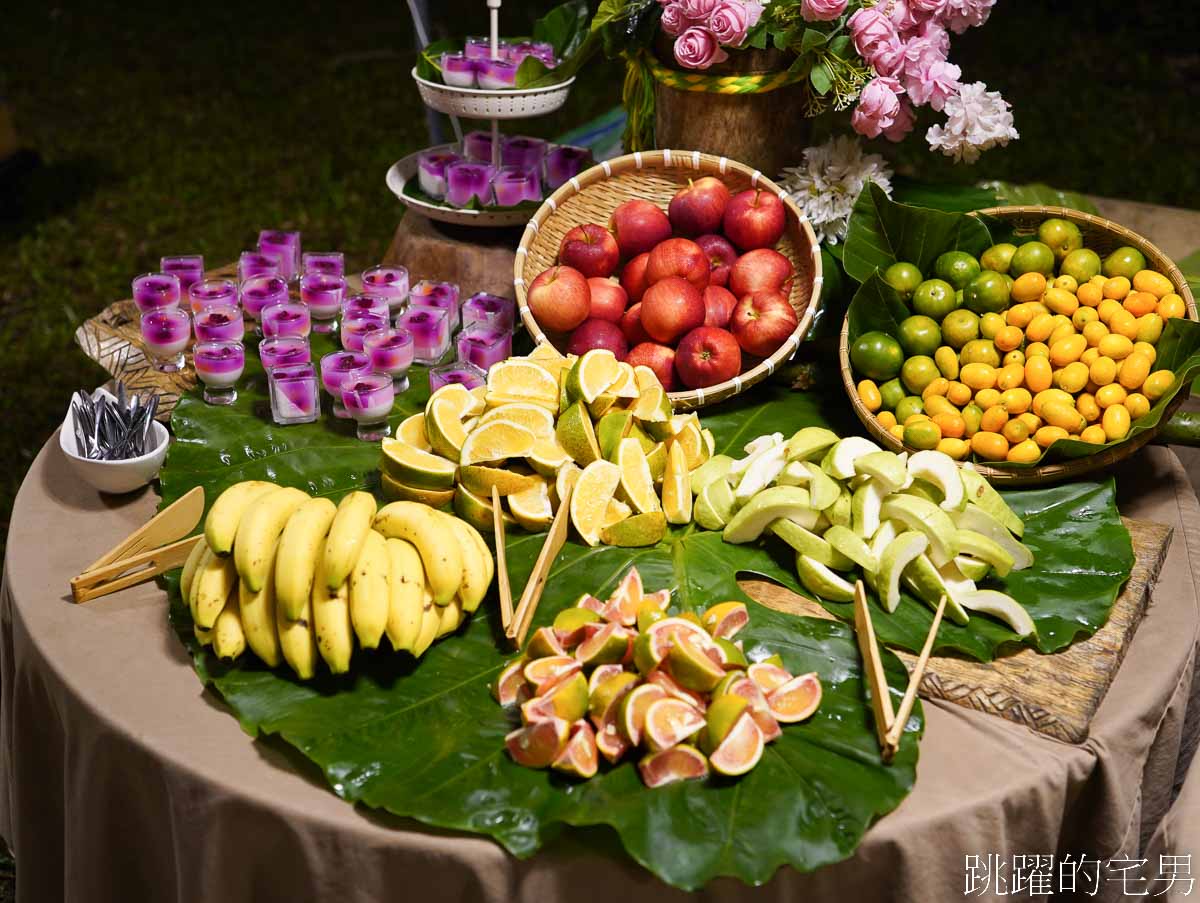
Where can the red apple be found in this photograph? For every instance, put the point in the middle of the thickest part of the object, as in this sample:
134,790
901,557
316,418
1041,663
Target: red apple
754,219
718,306
595,333
608,299
638,226
671,308
707,356
699,207
721,257
762,321
631,325
678,257
633,277
761,270
560,299
591,249
658,358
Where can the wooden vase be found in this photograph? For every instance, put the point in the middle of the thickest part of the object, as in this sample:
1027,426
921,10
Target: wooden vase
766,131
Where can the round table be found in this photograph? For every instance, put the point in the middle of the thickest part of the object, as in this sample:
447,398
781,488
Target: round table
124,779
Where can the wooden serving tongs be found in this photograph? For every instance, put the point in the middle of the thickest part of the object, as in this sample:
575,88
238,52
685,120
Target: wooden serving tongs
150,550
889,725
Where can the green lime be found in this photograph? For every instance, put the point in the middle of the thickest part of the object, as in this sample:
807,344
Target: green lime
909,405
956,267
918,372
876,355
891,392
959,327
934,298
1125,262
1081,265
998,257
903,277
1032,257
986,292
979,351
919,335
923,434
990,324
1061,236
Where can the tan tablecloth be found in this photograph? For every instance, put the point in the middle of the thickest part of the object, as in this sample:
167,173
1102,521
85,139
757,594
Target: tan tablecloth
123,780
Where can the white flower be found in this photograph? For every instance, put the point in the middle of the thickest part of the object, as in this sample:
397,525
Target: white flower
976,120
829,181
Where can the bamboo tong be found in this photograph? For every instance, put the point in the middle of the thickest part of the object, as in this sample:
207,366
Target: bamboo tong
516,622
889,725
153,548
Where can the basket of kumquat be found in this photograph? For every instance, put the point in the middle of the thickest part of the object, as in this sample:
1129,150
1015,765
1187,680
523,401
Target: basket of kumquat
1057,351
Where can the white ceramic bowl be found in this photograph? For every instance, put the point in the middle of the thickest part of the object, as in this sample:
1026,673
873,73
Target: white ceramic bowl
115,476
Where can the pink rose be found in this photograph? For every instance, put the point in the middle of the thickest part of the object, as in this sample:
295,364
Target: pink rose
674,21
960,15
934,85
927,9
821,10
903,124
754,11
889,58
935,33
696,48
729,22
878,108
903,16
870,28
699,10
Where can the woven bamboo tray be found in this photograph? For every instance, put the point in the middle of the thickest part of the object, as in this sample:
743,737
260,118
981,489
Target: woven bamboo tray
656,176
1102,236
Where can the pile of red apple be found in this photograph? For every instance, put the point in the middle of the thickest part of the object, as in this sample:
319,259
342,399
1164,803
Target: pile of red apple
671,290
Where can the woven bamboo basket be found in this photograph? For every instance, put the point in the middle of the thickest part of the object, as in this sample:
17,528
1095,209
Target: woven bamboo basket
656,176
1102,236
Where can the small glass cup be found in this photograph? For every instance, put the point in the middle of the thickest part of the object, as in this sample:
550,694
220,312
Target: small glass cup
166,332
323,293
369,399
222,323
489,310
387,282
295,397
187,268
156,291
467,375
430,330
283,350
356,325
484,346
328,263
374,304
288,318
338,367
219,366
254,263
286,247
391,352
443,295
212,293
259,292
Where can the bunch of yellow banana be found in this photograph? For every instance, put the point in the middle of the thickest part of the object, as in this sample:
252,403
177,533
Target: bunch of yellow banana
297,578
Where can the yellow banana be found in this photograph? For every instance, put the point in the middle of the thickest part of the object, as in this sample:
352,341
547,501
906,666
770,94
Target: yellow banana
190,596
431,620
300,545
221,525
258,620
258,533
406,594
215,577
204,636
476,564
228,638
452,616
369,599
435,540
331,622
189,569
346,535
298,642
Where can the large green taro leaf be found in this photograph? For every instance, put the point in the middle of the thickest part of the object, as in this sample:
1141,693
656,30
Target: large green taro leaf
425,739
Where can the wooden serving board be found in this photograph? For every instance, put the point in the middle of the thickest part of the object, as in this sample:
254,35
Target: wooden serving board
1056,695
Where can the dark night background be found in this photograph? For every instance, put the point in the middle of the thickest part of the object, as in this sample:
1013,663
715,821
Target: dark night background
185,127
